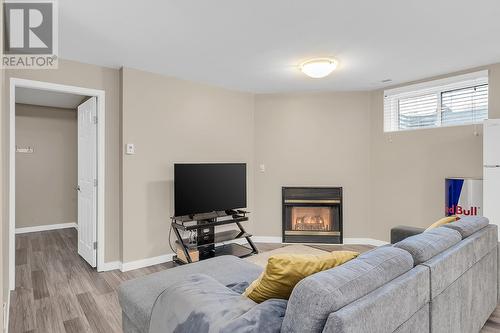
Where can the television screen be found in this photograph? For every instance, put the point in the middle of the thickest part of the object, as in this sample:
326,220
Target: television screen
204,188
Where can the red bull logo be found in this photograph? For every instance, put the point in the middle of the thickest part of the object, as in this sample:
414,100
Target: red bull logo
464,197
459,210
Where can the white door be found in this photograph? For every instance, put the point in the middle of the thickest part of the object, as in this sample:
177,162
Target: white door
87,181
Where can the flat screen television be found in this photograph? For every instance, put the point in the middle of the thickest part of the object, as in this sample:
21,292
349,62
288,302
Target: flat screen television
209,187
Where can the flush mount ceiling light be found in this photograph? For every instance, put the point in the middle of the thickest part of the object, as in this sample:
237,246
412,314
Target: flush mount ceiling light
319,67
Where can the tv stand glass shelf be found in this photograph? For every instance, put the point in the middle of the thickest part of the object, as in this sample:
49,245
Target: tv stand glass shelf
204,242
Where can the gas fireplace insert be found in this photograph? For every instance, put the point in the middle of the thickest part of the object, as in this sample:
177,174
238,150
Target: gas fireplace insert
312,215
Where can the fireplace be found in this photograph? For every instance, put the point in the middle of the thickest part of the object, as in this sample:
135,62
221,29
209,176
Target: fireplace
312,215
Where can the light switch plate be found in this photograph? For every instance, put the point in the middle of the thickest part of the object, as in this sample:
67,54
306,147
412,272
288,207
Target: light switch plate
130,149
262,168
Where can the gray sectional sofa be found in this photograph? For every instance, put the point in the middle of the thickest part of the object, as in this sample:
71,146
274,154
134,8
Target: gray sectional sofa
444,280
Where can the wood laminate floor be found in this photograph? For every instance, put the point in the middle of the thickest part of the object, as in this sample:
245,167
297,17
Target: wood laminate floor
57,291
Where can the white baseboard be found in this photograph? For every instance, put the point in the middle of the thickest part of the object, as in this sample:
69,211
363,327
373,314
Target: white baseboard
46,227
131,265
267,239
111,266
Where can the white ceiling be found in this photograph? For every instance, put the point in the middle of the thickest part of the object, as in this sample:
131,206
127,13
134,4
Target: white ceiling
48,98
255,45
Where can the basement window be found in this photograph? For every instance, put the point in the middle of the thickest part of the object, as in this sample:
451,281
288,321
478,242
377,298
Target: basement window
459,100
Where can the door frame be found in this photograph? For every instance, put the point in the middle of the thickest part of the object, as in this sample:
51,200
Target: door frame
47,86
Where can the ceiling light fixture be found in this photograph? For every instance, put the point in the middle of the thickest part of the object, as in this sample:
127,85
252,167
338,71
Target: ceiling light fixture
319,67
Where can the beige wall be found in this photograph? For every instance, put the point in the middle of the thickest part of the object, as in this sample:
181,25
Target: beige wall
312,139
46,179
171,120
408,168
94,77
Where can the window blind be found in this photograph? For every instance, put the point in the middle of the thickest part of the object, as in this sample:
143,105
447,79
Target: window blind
467,105
453,101
419,111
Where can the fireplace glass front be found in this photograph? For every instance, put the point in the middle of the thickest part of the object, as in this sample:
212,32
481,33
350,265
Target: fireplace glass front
312,215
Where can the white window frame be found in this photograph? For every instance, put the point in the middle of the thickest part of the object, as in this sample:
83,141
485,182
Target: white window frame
392,97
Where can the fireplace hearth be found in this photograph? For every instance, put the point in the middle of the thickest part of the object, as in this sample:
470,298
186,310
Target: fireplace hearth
312,215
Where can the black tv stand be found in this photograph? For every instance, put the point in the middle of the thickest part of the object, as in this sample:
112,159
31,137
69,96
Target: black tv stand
205,239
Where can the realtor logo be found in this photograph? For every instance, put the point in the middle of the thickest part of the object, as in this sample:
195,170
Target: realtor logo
30,34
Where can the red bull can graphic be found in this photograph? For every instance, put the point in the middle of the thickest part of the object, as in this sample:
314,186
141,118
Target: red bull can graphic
464,196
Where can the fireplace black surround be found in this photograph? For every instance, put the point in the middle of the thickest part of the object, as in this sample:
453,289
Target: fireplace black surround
312,215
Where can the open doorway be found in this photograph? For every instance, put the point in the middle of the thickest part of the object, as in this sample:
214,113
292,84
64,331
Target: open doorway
57,165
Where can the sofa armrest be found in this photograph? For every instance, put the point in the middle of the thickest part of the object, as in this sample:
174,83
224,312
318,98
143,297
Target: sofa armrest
401,232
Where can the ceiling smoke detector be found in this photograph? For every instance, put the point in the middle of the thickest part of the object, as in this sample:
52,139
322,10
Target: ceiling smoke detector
319,67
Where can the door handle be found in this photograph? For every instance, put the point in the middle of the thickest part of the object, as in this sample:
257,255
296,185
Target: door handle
491,165
77,187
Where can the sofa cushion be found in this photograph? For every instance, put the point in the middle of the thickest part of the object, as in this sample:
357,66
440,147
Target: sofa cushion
426,245
284,271
138,296
468,225
318,295
204,305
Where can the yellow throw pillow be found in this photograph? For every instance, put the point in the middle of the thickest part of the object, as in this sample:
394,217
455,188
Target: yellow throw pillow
443,221
284,271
